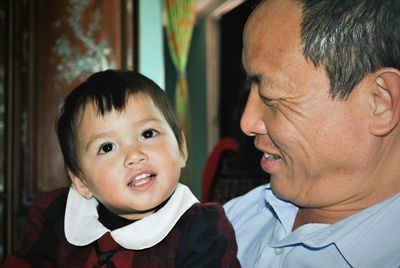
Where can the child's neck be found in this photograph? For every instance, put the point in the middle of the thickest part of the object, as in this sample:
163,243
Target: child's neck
112,221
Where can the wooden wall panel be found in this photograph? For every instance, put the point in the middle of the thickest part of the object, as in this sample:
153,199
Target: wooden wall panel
70,41
46,48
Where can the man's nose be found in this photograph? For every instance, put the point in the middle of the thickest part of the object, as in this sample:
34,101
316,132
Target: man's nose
252,123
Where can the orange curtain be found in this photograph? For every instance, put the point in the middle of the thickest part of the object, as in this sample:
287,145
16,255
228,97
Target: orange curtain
180,16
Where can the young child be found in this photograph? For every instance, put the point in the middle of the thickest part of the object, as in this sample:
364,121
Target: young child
124,152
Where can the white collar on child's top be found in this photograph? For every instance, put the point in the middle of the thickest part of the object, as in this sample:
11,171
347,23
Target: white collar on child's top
82,227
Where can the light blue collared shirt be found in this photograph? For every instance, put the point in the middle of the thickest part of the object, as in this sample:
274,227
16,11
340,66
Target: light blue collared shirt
263,225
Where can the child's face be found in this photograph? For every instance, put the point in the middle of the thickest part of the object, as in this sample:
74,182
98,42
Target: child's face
130,161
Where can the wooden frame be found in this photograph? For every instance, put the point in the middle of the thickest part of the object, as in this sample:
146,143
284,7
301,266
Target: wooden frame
213,13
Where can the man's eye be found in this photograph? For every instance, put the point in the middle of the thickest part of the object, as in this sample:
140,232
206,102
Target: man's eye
267,101
147,134
106,147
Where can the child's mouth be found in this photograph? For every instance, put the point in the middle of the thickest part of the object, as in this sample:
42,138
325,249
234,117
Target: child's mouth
141,179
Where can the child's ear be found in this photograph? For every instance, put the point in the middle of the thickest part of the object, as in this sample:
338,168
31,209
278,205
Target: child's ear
80,185
385,101
184,151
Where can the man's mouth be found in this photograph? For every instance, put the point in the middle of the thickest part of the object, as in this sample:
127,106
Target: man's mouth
141,179
271,156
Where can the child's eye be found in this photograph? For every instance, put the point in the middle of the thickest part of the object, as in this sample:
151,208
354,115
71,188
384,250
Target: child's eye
149,133
106,147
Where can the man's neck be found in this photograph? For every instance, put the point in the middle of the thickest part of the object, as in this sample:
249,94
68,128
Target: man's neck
312,215
331,216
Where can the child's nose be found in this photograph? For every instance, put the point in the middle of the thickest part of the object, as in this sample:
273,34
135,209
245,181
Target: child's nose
134,156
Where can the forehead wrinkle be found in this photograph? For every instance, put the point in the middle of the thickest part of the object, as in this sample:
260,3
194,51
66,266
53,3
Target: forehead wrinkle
271,25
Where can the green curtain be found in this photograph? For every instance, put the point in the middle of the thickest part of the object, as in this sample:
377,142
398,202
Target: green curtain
180,17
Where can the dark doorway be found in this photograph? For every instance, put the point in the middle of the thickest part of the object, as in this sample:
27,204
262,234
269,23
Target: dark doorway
233,79
239,171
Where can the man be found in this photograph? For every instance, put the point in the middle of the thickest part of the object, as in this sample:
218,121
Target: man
324,108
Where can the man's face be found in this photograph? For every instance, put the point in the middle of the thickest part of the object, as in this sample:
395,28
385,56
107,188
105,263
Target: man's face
315,148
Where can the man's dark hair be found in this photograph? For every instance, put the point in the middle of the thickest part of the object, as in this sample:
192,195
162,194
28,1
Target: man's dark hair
108,90
351,39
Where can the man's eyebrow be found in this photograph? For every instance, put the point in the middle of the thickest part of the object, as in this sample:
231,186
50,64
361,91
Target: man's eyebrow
256,78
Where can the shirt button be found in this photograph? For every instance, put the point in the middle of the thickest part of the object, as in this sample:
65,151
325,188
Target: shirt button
278,251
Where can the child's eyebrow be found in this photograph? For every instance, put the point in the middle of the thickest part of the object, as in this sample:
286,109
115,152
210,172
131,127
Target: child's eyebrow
148,120
107,134
95,137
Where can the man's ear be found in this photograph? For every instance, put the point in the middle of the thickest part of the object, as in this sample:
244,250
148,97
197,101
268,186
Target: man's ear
184,151
80,185
385,101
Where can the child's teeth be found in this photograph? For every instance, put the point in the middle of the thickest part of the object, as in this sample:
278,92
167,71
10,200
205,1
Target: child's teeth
141,177
140,182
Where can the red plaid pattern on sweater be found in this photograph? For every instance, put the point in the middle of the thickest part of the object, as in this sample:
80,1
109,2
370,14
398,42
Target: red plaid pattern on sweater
203,237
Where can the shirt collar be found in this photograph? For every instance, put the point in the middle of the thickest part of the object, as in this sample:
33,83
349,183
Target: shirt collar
284,211
365,230
373,230
82,227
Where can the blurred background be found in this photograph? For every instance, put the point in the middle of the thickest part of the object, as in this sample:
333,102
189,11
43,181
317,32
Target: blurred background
191,48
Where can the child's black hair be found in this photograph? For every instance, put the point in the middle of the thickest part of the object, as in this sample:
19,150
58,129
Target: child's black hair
107,90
